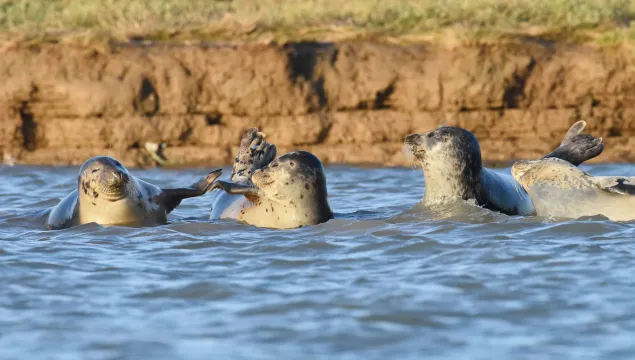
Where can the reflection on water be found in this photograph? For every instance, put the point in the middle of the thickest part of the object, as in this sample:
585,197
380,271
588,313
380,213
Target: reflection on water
385,279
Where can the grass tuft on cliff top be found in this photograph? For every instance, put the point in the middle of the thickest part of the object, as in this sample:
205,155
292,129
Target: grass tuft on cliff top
602,21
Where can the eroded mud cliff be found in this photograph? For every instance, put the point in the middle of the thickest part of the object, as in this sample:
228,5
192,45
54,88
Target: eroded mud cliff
346,102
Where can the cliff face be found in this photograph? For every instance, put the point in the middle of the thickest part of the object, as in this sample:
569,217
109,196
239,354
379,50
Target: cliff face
345,102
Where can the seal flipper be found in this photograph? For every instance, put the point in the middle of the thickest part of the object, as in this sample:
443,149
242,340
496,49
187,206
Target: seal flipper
171,198
64,214
252,193
617,185
576,147
575,130
254,153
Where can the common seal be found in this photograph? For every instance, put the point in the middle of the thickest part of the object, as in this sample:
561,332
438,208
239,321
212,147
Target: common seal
284,193
559,189
453,169
108,195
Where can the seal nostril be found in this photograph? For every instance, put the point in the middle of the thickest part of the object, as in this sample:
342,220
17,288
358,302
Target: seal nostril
95,170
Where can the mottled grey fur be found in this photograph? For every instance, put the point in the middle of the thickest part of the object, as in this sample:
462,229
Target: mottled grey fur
453,168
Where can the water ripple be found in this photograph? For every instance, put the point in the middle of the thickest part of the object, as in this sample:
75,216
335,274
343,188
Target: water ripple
387,278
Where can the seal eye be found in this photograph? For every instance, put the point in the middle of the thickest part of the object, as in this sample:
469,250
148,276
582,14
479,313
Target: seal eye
292,164
431,135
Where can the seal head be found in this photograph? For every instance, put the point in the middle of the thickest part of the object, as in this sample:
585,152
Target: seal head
295,176
104,178
284,193
451,161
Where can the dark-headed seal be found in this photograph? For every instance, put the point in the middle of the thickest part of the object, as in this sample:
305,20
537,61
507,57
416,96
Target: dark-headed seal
108,195
453,169
559,189
284,193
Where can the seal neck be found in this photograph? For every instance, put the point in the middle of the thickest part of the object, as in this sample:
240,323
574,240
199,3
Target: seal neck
451,182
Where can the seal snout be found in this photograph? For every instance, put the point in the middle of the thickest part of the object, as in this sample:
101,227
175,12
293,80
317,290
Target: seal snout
116,178
261,178
413,139
416,144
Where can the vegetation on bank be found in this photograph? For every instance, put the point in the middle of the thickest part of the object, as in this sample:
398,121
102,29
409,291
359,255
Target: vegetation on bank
600,21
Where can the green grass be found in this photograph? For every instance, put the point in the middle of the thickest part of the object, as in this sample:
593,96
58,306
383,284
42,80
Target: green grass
597,20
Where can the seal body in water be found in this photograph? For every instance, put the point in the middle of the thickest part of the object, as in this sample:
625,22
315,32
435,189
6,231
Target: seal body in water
283,193
559,189
108,195
453,169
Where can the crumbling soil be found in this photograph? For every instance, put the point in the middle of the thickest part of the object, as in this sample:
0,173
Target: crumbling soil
350,102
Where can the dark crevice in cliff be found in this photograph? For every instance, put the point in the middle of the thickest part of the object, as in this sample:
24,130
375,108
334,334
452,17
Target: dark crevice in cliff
303,60
147,101
382,96
28,127
324,133
515,93
186,134
213,119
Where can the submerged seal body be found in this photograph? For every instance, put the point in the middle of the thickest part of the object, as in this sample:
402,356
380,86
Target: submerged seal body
453,169
108,195
559,189
283,193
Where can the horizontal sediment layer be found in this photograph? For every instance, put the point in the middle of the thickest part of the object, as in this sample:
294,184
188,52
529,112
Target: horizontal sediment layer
350,102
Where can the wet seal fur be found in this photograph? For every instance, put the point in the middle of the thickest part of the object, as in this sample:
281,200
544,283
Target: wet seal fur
453,169
288,192
108,195
559,189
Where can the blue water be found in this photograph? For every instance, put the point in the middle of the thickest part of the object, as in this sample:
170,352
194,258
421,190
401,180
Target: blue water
385,279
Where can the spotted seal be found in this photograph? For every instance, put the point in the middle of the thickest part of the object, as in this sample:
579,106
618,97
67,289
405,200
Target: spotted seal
283,193
108,195
453,169
559,189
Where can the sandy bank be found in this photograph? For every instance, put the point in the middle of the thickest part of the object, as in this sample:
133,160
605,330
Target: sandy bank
351,102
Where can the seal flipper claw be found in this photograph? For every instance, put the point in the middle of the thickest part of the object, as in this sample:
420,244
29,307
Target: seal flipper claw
254,153
576,147
172,197
252,193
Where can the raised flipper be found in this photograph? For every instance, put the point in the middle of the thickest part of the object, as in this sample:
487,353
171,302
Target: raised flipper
254,153
171,198
576,147
252,193
616,185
